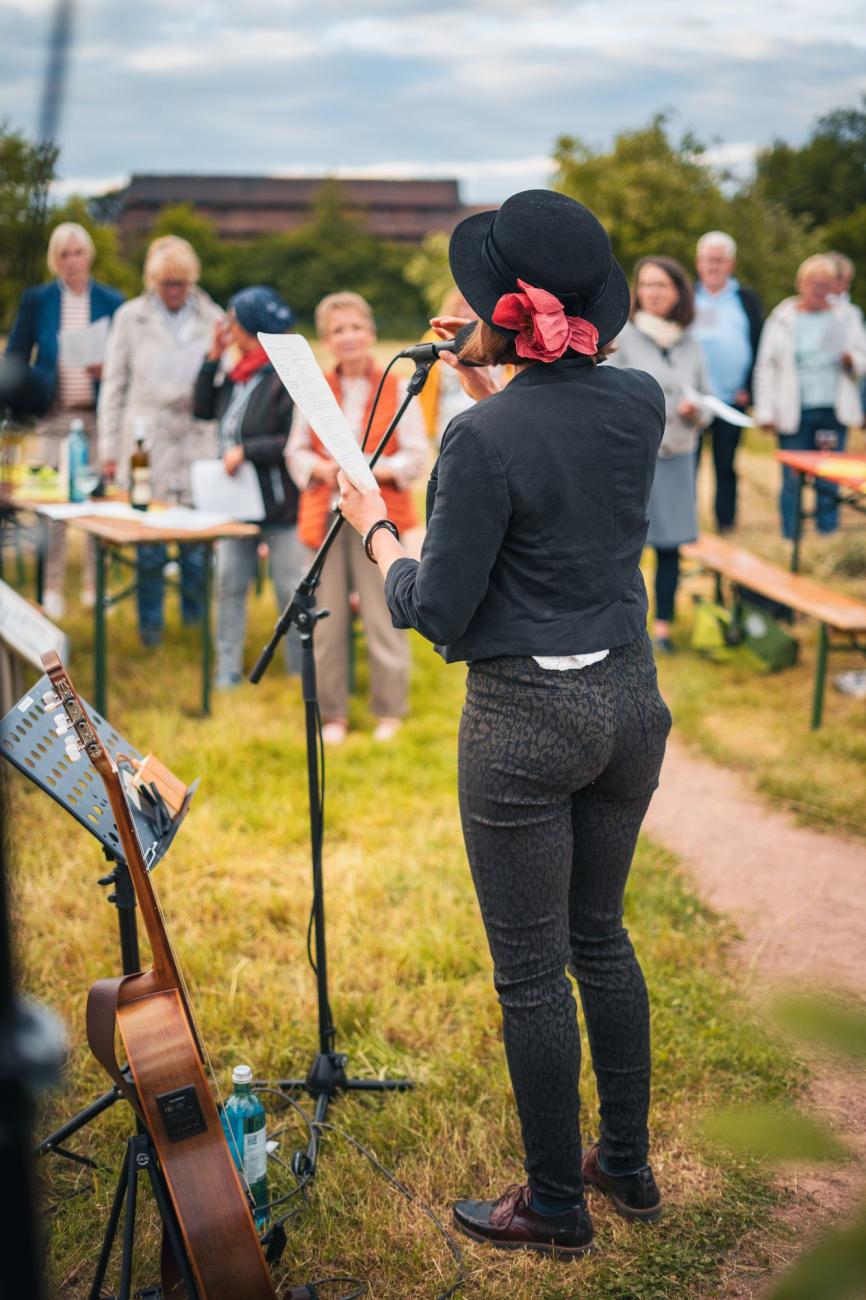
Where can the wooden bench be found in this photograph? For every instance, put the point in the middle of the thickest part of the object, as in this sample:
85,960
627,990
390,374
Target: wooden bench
834,612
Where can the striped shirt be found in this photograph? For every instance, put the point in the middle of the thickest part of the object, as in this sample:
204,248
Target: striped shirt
74,385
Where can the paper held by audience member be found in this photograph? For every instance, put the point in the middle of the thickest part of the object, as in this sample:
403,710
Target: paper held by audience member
707,402
299,370
84,347
237,495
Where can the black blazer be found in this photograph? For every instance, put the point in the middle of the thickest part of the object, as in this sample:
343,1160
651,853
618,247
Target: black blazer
264,431
536,518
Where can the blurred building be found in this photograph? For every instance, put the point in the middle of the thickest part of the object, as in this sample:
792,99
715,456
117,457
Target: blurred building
242,207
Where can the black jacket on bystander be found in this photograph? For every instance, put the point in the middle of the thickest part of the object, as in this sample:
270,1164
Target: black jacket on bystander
264,432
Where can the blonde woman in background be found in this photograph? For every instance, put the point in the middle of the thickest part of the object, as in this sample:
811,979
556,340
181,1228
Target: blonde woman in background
71,301
155,350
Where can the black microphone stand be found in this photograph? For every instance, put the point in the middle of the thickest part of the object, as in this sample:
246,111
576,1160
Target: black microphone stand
327,1074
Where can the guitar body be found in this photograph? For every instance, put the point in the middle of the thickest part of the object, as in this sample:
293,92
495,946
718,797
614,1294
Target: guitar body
179,1113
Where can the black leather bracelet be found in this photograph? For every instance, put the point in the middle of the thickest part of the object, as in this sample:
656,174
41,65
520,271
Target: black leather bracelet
368,538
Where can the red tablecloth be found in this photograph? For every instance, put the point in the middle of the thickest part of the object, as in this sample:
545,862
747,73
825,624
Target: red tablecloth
846,468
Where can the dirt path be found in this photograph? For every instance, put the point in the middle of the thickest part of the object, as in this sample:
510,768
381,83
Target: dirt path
797,896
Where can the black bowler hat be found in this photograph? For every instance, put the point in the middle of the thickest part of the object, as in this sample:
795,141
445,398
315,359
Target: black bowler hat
551,242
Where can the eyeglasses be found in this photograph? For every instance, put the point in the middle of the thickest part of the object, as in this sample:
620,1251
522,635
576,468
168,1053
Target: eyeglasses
173,284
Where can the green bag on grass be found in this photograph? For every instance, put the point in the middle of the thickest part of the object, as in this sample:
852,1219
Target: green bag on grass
711,629
761,635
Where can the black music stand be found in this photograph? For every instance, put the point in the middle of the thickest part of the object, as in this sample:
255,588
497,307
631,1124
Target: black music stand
29,741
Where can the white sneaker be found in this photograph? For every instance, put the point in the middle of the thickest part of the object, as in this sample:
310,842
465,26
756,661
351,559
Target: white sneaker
852,683
53,604
387,728
334,733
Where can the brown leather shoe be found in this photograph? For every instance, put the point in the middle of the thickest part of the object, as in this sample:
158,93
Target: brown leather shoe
512,1224
634,1196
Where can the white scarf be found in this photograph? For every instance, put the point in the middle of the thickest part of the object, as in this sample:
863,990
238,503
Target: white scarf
664,333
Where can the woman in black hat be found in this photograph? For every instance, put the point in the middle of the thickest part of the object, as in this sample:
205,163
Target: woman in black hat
529,571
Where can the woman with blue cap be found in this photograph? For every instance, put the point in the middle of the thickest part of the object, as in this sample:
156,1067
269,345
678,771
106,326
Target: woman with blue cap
254,414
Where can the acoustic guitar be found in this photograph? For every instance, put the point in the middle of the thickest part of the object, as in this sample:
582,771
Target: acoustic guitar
167,1060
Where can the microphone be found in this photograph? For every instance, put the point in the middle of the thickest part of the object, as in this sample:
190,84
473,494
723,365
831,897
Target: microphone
429,351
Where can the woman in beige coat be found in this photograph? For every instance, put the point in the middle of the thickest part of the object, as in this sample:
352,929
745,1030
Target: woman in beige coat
155,349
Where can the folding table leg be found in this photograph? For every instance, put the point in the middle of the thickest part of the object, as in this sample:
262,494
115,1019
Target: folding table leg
820,676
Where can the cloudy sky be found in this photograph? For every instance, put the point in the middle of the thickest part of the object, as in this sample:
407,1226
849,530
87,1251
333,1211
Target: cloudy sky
478,90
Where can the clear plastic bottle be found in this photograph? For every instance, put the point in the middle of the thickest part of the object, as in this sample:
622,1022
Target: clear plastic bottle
77,453
244,1122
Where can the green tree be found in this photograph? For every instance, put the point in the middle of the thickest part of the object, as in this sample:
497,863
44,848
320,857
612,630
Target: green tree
335,251
824,179
823,185
429,271
26,171
652,195
658,197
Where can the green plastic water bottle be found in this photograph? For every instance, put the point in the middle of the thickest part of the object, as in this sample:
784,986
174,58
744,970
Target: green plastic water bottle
244,1123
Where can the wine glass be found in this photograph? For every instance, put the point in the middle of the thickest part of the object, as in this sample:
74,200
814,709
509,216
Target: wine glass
87,479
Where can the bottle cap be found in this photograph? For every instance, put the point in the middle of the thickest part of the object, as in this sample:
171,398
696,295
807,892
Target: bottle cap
242,1074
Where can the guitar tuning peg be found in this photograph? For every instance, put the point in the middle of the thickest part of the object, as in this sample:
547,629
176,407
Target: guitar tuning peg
61,724
50,701
74,749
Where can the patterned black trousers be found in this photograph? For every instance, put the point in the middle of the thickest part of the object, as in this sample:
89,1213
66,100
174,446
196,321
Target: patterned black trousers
556,771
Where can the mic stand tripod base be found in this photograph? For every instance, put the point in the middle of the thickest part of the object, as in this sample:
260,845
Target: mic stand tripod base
327,1077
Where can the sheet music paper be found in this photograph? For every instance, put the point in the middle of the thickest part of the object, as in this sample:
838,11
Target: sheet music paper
84,347
297,367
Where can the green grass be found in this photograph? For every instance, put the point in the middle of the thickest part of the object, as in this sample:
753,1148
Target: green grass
410,984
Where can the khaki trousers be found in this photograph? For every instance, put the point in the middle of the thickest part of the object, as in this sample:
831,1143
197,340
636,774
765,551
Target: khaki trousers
347,569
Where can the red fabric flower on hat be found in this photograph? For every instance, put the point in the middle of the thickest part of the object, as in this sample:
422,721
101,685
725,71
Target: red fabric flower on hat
543,329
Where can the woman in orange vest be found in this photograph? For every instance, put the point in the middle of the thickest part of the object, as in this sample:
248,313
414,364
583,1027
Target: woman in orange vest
344,323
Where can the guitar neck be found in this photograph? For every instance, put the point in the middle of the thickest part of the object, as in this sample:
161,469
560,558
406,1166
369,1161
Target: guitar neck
165,965
164,960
